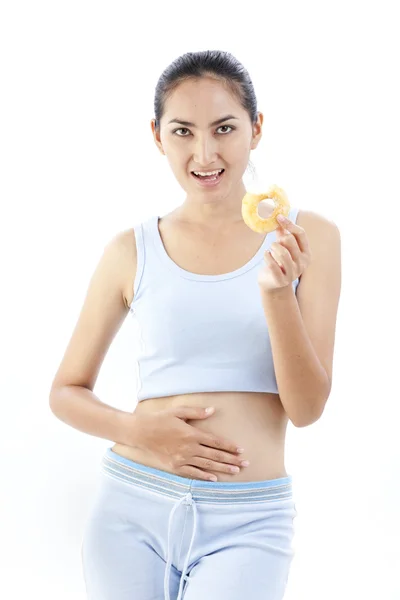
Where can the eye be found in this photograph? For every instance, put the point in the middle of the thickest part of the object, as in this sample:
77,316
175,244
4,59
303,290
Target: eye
180,129
184,129
228,126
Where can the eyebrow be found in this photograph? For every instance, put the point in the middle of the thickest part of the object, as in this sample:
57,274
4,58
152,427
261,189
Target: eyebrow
188,124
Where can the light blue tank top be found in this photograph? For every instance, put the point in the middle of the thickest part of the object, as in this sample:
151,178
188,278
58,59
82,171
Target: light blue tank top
199,333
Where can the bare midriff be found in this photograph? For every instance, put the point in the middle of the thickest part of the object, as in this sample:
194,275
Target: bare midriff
253,421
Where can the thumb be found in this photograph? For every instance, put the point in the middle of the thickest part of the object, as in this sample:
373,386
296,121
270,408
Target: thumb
192,412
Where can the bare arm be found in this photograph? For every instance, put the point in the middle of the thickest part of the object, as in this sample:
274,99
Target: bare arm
105,307
80,408
191,452
302,328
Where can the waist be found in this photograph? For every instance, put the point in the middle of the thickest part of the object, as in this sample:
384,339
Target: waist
255,421
165,484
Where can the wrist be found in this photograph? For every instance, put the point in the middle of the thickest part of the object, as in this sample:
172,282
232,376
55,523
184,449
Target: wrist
276,293
128,429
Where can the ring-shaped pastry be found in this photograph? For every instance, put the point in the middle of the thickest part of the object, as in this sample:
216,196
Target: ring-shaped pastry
250,214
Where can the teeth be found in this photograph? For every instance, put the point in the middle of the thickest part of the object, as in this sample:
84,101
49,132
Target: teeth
204,174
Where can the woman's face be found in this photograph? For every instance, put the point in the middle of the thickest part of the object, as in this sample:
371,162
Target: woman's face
196,135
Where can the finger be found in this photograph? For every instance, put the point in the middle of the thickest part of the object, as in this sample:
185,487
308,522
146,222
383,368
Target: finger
190,413
210,465
219,456
282,257
280,232
194,473
287,245
218,443
298,233
271,262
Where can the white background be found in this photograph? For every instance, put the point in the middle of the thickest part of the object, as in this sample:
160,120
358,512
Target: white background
78,164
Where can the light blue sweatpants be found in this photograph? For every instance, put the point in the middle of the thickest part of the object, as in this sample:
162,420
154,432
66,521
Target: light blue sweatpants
152,535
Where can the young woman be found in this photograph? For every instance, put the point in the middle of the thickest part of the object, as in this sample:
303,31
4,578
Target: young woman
231,319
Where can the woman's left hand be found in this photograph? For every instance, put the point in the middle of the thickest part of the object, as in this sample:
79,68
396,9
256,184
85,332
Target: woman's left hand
287,258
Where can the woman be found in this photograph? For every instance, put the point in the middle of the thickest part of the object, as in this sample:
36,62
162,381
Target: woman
227,318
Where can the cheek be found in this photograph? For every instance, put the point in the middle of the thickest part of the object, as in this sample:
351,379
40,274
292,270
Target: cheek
177,153
178,164
238,150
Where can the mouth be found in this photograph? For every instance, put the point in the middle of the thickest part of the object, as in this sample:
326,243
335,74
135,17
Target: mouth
209,179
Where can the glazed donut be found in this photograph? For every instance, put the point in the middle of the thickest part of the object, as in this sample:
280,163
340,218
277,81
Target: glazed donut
250,214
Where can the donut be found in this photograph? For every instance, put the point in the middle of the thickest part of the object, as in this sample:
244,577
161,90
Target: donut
250,214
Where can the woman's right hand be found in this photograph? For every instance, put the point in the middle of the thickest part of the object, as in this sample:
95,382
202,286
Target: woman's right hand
184,449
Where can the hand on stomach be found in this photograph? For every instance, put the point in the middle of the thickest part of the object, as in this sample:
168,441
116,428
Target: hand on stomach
253,421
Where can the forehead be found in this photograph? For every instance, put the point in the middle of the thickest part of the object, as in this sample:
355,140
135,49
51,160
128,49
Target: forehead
202,100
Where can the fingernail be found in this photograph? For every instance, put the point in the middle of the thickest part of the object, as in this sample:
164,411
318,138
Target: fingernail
282,219
240,450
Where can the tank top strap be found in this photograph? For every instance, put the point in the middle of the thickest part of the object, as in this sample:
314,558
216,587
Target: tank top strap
150,252
141,234
294,211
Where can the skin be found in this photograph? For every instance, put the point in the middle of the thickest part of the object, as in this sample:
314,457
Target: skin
206,148
207,235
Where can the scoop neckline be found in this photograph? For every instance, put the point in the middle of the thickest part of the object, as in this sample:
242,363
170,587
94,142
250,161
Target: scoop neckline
258,256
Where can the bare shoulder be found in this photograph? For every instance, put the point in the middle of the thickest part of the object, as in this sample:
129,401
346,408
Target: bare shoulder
102,313
323,236
316,224
126,257
121,256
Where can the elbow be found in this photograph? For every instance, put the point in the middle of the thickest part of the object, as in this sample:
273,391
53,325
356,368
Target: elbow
304,422
54,399
53,405
315,408
306,418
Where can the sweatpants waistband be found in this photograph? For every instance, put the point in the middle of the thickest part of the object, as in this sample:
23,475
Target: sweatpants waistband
175,486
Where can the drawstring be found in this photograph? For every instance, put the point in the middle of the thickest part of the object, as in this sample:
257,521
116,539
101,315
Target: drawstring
188,499
192,503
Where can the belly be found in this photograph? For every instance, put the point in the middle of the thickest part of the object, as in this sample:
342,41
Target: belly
255,421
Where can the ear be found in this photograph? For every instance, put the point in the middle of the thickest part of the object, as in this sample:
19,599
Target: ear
156,136
257,131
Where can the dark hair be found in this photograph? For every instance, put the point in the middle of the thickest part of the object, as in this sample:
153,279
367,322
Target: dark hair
213,63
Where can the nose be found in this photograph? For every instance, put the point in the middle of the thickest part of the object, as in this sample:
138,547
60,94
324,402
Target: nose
205,151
